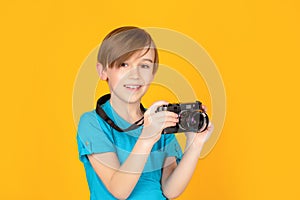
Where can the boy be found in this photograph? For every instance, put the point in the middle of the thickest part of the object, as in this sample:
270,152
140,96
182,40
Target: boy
120,143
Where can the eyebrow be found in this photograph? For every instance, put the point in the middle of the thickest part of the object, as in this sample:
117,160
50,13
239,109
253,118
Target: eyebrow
146,59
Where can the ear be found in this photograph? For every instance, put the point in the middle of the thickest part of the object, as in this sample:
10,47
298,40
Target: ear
101,71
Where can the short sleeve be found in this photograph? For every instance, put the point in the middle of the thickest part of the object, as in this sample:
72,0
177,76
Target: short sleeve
93,136
172,147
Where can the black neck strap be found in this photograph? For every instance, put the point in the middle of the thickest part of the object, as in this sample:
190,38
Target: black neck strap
104,116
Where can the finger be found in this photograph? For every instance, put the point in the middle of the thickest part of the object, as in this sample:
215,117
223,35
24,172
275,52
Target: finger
160,125
210,127
163,114
155,105
168,124
204,107
168,119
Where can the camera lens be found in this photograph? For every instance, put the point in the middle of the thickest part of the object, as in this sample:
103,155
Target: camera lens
184,119
195,120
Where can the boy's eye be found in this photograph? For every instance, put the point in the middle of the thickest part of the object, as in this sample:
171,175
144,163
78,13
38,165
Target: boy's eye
145,66
124,65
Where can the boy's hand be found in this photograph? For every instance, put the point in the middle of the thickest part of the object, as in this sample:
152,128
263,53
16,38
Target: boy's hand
198,139
155,122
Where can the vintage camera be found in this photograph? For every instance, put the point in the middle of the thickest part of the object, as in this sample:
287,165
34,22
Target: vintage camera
192,118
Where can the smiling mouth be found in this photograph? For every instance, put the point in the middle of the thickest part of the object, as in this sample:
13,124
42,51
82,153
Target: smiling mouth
133,86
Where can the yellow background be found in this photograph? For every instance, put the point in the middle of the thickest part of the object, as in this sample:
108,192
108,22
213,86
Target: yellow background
255,45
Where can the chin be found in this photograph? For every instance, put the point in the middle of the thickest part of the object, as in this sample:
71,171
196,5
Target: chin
134,99
136,96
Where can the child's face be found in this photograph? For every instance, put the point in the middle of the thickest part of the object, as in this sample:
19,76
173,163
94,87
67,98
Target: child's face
130,81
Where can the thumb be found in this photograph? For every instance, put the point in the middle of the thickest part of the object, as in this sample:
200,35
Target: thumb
209,131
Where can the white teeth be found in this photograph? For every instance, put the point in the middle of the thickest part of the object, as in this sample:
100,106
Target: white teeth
132,86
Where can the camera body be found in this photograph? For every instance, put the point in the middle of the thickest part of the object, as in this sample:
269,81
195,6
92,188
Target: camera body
192,118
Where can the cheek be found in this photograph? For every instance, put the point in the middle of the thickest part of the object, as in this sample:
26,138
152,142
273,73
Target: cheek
116,81
115,77
148,77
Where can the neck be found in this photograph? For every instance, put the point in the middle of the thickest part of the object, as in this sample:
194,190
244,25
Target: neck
131,112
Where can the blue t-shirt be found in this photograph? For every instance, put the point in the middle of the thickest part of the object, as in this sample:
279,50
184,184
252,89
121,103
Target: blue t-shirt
96,136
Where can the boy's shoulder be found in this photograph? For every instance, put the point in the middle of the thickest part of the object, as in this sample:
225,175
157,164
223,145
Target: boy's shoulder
91,118
88,115
90,122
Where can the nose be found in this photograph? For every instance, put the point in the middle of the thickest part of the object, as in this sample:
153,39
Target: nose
134,73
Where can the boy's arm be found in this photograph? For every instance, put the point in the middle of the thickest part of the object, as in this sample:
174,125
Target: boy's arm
176,178
120,180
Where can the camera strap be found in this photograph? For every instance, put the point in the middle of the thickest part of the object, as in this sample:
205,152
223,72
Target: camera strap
108,120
